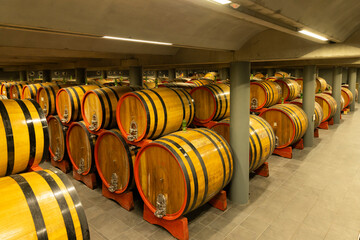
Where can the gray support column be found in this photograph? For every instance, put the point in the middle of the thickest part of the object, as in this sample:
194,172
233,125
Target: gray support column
270,72
135,76
336,91
80,75
224,73
47,76
297,73
358,83
172,74
23,76
239,130
156,74
104,74
352,85
309,102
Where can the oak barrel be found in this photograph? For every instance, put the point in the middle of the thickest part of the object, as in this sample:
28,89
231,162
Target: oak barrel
24,136
46,97
264,94
185,169
318,112
288,121
200,82
68,102
342,100
211,75
114,161
261,139
149,85
3,97
5,89
212,102
290,88
41,205
80,147
98,107
184,85
57,138
151,113
281,74
16,90
301,84
347,95
328,104
320,85
30,90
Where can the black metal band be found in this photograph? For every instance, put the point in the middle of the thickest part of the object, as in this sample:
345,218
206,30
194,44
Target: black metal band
9,138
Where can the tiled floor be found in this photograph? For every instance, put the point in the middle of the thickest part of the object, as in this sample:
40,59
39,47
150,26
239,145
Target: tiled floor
315,195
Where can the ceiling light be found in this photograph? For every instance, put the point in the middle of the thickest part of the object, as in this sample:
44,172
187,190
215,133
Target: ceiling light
313,35
137,40
221,1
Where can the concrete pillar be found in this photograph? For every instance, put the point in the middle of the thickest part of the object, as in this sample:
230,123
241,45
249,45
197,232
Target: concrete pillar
80,75
224,73
47,76
309,102
270,72
172,74
297,73
239,130
358,82
104,74
135,76
352,84
23,76
156,74
336,91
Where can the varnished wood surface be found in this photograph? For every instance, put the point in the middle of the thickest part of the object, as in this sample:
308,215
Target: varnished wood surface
187,167
16,90
288,121
259,75
318,111
281,74
30,91
328,105
3,97
342,100
201,82
102,103
156,112
57,137
149,85
5,89
290,88
70,98
41,205
347,95
301,84
261,139
212,102
320,85
23,136
183,85
266,93
80,145
113,156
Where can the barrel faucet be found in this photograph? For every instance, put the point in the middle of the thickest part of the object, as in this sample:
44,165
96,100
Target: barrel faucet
66,115
133,133
113,183
94,122
45,109
81,169
160,206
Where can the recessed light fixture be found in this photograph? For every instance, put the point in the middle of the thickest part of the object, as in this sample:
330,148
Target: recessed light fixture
137,40
221,1
314,35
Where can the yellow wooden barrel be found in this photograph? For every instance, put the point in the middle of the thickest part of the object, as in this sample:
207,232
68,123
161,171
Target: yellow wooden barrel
24,136
5,89
98,107
328,87
183,85
281,74
320,85
30,90
57,139
261,139
114,161
185,169
212,102
259,75
68,102
328,104
149,85
80,147
347,95
201,82
46,97
288,121
318,111
41,205
16,90
149,114
211,75
301,84
3,97
264,94
342,100
290,88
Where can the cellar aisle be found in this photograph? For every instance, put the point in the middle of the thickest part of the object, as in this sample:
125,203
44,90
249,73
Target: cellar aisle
315,195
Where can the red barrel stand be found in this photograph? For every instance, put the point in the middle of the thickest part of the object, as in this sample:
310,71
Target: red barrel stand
125,199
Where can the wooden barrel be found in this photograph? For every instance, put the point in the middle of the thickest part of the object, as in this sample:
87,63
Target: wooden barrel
114,161
328,104
281,74
320,85
185,169
5,89
80,147
68,102
211,75
46,97
41,205
98,107
261,139
347,95
264,94
153,113
200,82
24,136
3,97
342,100
212,102
149,85
259,75
288,121
16,90
57,139
184,85
30,91
301,84
290,89
328,87
318,112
